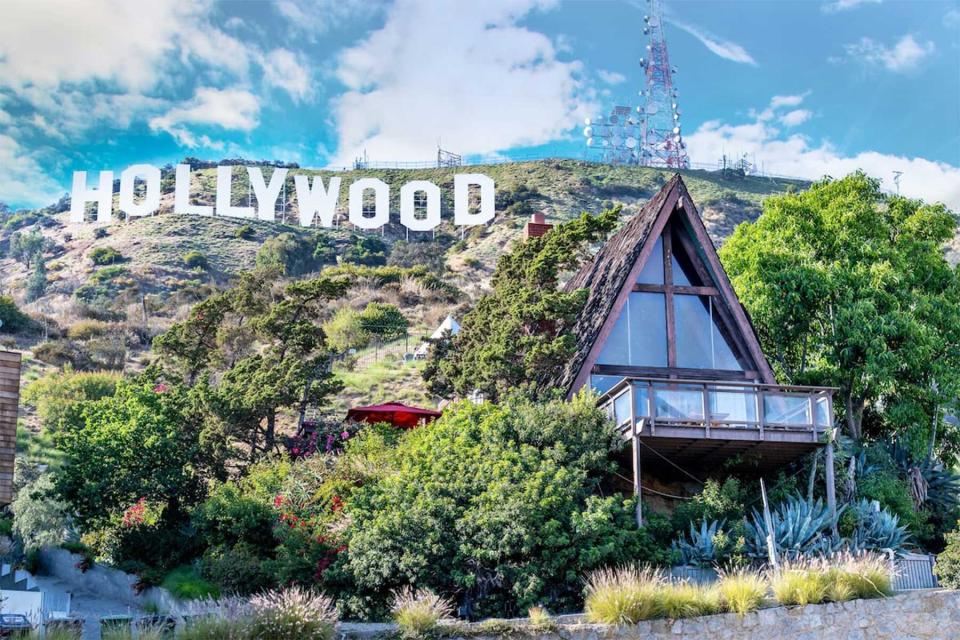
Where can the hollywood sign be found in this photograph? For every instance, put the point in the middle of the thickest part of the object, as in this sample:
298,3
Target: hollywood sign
317,201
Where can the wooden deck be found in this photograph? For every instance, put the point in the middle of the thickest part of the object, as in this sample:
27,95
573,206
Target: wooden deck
9,406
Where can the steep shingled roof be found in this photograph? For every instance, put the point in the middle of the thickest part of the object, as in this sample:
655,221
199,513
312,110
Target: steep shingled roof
605,275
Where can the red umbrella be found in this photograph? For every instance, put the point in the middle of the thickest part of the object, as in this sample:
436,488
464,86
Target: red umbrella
397,414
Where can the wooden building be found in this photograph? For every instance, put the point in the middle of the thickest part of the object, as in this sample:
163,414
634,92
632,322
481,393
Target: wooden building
667,343
9,406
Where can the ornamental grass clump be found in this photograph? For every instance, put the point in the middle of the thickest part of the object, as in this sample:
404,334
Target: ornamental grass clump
417,612
211,627
540,619
741,591
687,600
864,575
293,613
622,596
804,582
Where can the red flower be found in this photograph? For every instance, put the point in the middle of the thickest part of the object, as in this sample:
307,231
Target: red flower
336,504
278,501
161,388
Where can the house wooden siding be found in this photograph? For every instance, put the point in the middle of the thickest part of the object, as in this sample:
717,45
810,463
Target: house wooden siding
9,407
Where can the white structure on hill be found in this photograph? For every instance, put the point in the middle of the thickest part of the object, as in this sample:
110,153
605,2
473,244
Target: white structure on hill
449,325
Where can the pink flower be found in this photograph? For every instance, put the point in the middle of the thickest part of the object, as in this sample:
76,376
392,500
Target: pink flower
345,435
295,451
161,388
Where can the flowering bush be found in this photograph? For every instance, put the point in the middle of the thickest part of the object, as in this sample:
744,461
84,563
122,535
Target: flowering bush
323,437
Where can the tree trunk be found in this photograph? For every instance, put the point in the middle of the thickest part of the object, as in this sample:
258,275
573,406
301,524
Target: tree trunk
854,414
271,431
813,475
850,490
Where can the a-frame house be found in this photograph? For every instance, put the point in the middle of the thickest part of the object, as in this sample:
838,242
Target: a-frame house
665,341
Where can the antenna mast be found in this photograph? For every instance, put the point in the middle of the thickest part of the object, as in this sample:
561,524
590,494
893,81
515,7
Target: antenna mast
648,135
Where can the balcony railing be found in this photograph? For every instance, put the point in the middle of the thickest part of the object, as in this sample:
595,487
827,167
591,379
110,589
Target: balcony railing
722,406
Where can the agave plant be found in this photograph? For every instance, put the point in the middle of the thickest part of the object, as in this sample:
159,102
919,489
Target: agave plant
700,549
801,528
931,484
877,529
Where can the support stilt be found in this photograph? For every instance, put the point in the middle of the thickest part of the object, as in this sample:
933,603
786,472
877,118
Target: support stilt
831,483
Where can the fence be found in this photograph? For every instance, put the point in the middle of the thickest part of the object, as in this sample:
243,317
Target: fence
911,571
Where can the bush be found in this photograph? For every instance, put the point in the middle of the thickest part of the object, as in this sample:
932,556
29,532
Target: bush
345,331
686,600
834,579
88,329
238,569
184,583
947,567
101,256
385,321
418,612
12,319
724,502
623,596
245,232
293,614
39,519
229,517
195,260
366,250
290,252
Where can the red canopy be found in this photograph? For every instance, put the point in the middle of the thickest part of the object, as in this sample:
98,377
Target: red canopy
397,414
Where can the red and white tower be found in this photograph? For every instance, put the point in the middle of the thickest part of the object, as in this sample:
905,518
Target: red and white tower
649,135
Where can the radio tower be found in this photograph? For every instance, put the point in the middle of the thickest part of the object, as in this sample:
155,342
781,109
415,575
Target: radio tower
650,136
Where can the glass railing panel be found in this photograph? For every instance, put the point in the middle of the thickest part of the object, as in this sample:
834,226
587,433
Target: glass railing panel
641,400
822,408
621,407
787,410
679,403
733,407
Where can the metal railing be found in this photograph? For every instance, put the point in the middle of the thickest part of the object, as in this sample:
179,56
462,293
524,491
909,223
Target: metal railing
718,405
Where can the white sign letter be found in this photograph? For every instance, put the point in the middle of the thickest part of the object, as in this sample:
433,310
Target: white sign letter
316,200
151,200
461,199
181,195
266,195
408,209
224,195
80,195
382,198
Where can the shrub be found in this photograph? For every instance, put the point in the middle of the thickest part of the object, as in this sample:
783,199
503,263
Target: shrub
947,567
212,627
290,252
195,260
87,329
101,256
801,583
245,232
418,612
366,250
622,596
345,331
184,583
540,620
741,591
39,519
236,569
723,502
864,575
62,353
385,321
12,319
229,516
293,614
707,545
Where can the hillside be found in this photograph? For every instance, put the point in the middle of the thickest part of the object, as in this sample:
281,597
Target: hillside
104,315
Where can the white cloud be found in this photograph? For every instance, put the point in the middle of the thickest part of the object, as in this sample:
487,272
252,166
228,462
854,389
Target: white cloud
726,49
231,109
611,77
903,57
952,17
795,118
833,6
22,179
282,69
787,101
797,155
495,85
313,18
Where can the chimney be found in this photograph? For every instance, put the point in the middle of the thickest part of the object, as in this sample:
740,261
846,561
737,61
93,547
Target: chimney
537,226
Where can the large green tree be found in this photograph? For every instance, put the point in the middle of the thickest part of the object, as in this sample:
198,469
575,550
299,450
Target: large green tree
848,286
255,350
519,333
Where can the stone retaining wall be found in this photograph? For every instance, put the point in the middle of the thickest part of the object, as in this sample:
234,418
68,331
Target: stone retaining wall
918,615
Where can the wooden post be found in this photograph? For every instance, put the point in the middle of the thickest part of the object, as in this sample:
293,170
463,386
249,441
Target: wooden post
768,521
637,488
9,405
831,483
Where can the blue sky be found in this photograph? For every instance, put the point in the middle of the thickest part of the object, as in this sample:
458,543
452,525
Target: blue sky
806,88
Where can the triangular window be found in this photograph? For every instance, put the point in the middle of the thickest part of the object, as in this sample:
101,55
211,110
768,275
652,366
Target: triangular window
685,297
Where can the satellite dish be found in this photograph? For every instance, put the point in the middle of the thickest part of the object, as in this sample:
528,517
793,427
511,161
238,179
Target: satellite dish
605,143
652,108
588,131
676,130
586,121
631,142
589,142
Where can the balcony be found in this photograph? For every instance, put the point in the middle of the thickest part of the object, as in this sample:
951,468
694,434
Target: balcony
705,422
